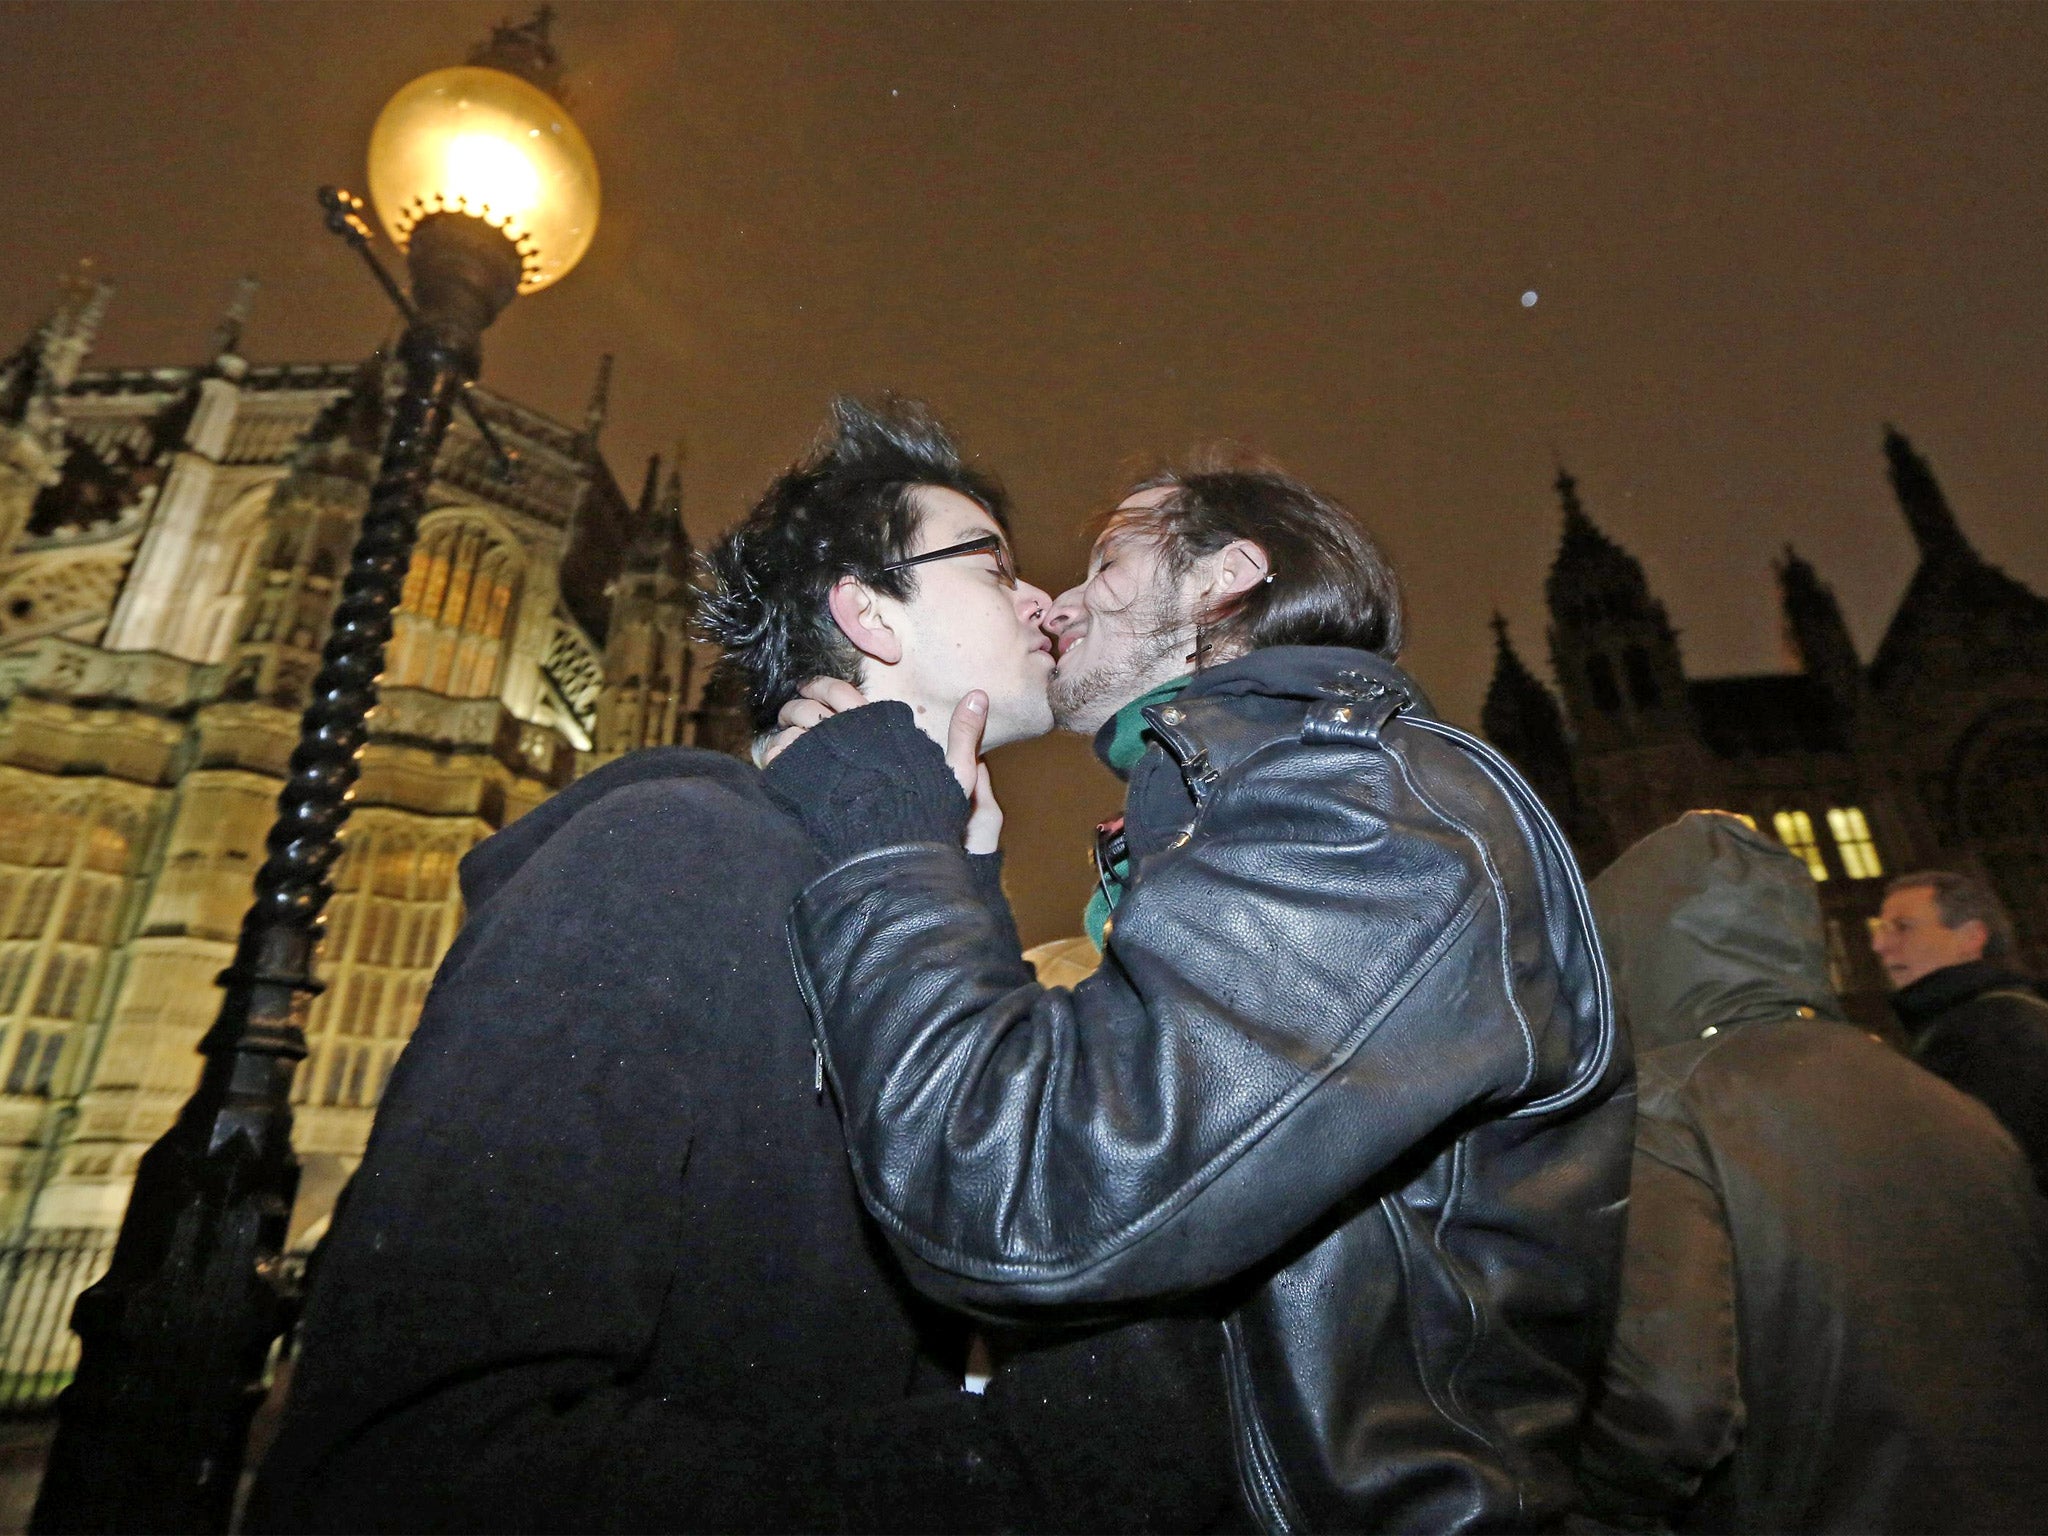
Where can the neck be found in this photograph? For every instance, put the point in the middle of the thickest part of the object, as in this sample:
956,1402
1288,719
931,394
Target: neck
888,685
1121,740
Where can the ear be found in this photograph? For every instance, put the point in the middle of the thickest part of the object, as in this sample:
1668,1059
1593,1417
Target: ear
1240,566
858,613
1975,930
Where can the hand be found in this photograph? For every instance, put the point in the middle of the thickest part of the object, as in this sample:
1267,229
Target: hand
819,699
963,756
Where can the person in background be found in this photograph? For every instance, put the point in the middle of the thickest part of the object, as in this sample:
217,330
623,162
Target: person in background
1834,1311
1946,944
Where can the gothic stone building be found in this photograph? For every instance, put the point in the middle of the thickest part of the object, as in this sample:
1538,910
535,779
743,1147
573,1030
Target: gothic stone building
171,543
1933,754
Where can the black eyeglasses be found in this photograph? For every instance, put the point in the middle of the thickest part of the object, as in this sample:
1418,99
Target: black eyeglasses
987,544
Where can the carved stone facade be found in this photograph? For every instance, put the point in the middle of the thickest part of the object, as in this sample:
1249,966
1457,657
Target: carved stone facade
171,544
1933,755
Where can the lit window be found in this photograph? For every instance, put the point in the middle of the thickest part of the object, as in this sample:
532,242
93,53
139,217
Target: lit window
1795,831
1854,843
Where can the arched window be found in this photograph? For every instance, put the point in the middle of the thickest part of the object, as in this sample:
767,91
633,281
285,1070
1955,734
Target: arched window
35,1062
1795,831
1854,844
449,633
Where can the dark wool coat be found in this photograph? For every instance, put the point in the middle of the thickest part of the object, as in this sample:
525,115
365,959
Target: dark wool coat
1835,1303
603,1266
1983,1027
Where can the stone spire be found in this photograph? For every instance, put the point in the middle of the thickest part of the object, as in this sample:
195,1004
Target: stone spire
644,511
594,414
69,336
648,659
1921,500
1816,635
34,447
1576,523
225,346
1612,646
657,540
44,366
1522,718
1519,710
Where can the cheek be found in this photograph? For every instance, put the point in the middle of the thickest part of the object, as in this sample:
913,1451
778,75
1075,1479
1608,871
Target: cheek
1109,592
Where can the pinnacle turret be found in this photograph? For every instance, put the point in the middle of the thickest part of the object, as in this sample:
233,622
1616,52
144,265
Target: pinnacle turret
1523,719
1816,635
599,408
1920,496
1611,644
44,366
1517,706
223,349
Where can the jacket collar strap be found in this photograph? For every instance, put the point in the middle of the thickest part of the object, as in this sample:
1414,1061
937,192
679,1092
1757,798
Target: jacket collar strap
1355,707
1121,741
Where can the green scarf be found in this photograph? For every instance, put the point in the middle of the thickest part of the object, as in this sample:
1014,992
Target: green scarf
1127,743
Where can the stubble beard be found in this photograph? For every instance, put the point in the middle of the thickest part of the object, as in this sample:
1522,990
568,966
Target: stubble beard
1163,636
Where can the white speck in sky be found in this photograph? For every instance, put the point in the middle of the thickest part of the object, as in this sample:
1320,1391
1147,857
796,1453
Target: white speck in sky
1529,299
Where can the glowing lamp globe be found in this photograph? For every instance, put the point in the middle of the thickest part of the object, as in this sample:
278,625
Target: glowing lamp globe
485,143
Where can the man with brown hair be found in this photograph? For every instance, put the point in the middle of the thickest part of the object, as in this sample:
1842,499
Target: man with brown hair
1946,943
1347,1078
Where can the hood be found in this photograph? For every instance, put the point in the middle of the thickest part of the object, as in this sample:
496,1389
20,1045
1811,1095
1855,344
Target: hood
1709,924
492,863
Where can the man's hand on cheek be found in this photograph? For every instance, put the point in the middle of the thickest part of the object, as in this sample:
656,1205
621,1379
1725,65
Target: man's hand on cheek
818,787
819,699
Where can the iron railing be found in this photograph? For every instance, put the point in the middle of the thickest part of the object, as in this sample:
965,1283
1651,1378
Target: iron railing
41,1275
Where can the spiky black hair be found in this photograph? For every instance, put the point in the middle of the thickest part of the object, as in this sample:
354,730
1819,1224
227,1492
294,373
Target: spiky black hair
845,509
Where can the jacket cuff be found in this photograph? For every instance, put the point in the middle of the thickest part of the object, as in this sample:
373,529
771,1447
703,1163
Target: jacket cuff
867,779
987,872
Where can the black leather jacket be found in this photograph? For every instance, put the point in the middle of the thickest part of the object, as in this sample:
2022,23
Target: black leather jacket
1350,1066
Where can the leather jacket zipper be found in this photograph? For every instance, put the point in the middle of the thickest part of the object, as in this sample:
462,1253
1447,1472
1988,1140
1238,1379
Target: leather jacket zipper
1259,1477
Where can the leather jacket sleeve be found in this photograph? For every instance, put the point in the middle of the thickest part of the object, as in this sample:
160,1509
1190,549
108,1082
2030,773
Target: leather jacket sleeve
1285,1010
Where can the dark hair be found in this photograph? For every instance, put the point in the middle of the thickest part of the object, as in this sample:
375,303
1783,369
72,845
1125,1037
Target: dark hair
1963,899
845,509
1329,585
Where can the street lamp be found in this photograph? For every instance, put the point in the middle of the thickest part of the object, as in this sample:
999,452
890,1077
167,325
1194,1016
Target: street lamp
489,188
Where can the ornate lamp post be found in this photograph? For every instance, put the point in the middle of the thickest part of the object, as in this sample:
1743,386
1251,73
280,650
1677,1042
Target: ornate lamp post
490,189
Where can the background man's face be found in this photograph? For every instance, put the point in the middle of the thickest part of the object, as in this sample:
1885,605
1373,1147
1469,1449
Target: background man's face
1912,941
1122,632
963,629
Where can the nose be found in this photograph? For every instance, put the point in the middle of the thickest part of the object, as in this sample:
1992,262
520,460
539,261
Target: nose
1065,612
1032,602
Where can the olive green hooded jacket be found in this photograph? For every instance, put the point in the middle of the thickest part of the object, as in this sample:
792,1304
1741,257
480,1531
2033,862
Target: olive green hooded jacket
1834,1306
